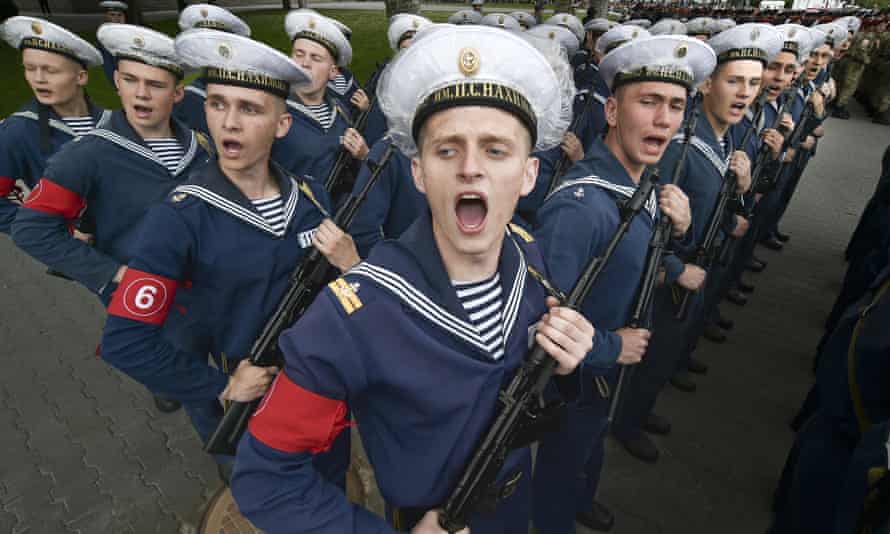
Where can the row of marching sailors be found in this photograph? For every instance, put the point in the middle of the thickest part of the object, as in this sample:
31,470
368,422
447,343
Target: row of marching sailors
442,286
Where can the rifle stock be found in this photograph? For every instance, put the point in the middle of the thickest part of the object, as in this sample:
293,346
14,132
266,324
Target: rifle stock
307,280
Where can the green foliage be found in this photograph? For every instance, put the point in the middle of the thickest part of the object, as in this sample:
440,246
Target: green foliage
369,46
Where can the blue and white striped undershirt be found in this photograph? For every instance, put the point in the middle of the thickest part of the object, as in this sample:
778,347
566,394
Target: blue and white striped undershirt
79,125
484,304
272,210
322,113
168,149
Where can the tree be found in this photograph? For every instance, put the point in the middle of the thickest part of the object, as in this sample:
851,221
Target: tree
401,6
134,12
563,6
599,8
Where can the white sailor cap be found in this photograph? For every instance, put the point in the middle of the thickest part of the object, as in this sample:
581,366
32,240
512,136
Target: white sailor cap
344,29
701,26
232,59
642,23
30,32
668,27
500,20
797,40
477,2
724,24
138,43
617,36
465,16
113,5
753,41
599,25
835,34
526,20
475,66
300,24
569,21
403,26
432,28
675,59
852,23
560,34
212,17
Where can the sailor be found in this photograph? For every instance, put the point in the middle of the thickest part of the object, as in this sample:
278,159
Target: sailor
436,310
115,172
569,21
56,63
650,79
500,20
526,20
701,28
465,16
742,53
190,110
223,243
321,124
116,12
477,5
668,27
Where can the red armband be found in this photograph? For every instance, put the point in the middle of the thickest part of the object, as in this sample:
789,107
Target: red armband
6,186
50,197
294,419
144,297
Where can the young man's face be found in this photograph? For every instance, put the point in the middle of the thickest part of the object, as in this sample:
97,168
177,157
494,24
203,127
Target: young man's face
316,59
731,89
779,74
244,123
819,58
473,173
55,79
116,16
147,93
642,118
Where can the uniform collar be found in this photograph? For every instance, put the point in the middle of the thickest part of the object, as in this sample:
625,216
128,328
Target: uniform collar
705,132
31,110
120,125
296,106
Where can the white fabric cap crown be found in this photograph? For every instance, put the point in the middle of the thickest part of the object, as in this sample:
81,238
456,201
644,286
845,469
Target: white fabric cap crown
500,20
759,42
302,24
724,24
642,23
796,39
675,59
835,34
344,29
617,36
403,26
475,65
599,25
30,32
465,16
212,17
138,43
113,5
560,34
571,22
668,27
232,59
526,20
701,26
852,23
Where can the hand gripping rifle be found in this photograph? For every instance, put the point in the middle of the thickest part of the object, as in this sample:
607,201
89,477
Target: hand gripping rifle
563,163
306,281
704,254
344,159
795,139
765,154
520,401
661,235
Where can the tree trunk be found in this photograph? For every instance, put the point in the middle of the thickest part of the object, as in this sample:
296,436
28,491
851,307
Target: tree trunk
600,8
563,6
286,5
134,13
401,6
301,4
539,11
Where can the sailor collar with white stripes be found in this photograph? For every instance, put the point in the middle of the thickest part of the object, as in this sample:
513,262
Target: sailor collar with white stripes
706,142
304,110
610,176
431,294
121,133
101,117
211,186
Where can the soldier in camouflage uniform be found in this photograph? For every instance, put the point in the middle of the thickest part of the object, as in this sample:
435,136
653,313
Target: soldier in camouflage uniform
852,66
879,96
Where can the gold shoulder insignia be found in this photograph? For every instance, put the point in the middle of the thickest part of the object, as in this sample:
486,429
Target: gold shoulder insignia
347,294
205,143
304,187
521,232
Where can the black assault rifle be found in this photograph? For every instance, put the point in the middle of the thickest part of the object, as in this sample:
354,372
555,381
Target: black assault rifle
661,235
306,281
520,401
563,163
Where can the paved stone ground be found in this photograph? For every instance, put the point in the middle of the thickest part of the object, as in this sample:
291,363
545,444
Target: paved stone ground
83,449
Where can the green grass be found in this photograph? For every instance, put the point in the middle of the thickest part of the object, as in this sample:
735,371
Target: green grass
369,47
